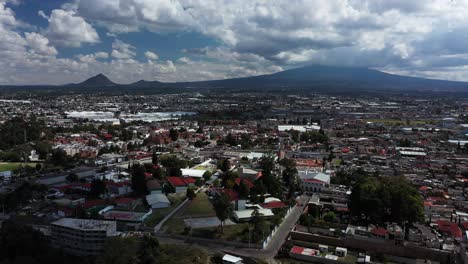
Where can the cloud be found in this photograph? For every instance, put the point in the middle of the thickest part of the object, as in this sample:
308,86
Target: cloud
422,38
68,29
151,55
122,50
39,44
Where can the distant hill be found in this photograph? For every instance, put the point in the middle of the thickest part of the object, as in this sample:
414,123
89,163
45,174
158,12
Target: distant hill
315,77
322,78
99,80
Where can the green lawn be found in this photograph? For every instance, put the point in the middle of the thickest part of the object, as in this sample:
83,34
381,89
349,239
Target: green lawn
10,166
336,162
237,232
159,214
199,207
172,253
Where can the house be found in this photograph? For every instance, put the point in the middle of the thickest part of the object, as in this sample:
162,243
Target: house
312,181
249,173
154,186
157,200
124,202
341,252
379,232
178,184
193,173
118,188
229,259
246,215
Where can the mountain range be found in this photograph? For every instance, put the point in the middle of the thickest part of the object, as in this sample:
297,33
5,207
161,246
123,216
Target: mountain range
315,77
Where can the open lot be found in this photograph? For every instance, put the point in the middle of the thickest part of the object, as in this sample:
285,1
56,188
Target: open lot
206,222
199,207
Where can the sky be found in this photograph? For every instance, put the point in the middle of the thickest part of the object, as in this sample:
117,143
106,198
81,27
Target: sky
59,42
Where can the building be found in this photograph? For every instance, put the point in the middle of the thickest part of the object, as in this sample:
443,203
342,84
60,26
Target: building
312,181
157,200
154,186
82,237
229,259
178,184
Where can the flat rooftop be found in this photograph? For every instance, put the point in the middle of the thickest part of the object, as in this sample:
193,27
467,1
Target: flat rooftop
84,224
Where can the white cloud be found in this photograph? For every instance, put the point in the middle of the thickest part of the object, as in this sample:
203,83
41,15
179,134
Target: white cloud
68,29
151,55
425,38
39,44
122,50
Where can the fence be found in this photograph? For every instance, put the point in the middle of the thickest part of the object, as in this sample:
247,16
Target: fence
273,232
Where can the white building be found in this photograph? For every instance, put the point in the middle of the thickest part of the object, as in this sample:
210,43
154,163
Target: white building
312,181
158,200
82,237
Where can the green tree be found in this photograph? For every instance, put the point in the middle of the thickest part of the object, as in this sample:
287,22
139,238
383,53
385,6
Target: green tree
258,223
329,217
72,177
223,208
173,134
138,180
207,175
98,187
244,189
224,165
191,193
118,250
199,182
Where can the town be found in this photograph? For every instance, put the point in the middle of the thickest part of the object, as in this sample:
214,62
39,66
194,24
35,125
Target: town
233,177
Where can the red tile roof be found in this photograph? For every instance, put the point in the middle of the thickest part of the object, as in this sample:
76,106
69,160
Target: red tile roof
449,227
189,180
176,181
93,203
380,231
249,183
124,200
272,205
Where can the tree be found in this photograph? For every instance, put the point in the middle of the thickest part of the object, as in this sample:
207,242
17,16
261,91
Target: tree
383,199
207,175
154,158
258,225
138,180
98,187
199,182
224,165
191,193
151,250
173,134
217,183
223,208
119,250
270,181
329,217
59,157
72,177
244,189
289,170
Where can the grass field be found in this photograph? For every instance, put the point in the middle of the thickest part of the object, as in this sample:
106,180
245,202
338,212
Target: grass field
238,232
9,166
199,207
159,214
172,253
